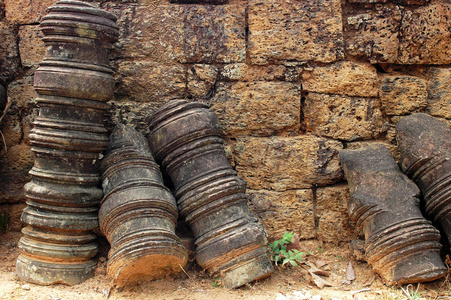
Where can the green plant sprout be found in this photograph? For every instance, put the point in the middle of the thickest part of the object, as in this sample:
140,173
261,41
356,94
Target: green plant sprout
19,297
216,283
280,253
411,293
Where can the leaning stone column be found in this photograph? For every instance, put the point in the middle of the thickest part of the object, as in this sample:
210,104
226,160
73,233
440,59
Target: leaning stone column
425,146
185,139
400,244
138,214
73,83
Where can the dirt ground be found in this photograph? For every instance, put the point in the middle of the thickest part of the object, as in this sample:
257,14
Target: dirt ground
285,283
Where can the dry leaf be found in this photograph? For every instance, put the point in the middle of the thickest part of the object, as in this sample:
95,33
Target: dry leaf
319,281
350,274
321,263
317,271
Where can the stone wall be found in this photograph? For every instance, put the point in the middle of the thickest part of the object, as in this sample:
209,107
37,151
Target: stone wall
292,82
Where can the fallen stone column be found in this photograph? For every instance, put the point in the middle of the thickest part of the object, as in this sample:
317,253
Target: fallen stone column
400,244
73,83
425,146
185,139
138,214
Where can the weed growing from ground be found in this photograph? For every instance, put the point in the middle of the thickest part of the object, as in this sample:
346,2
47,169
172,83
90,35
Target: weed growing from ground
280,254
216,283
411,293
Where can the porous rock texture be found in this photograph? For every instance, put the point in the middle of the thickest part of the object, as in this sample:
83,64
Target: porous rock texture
292,82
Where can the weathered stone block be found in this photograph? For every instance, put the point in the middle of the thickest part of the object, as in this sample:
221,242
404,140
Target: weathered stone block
14,211
283,30
425,35
332,214
146,81
374,35
11,129
439,89
14,167
25,11
135,114
213,34
257,108
22,95
201,79
9,52
4,103
342,117
401,95
282,163
31,46
186,33
344,78
245,72
284,211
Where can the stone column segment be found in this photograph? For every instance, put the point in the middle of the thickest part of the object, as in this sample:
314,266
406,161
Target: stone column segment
425,146
185,138
138,214
400,244
73,83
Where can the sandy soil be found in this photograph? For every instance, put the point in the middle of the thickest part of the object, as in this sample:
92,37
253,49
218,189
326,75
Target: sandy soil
285,283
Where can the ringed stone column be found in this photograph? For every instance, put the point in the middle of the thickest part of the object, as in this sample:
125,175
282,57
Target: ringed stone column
185,137
400,244
73,83
138,214
425,146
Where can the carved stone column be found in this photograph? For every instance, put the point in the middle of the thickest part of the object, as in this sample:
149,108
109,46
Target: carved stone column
138,214
425,146
185,139
400,244
73,83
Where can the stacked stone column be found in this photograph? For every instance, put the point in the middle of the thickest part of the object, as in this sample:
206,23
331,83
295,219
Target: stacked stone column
186,139
73,83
